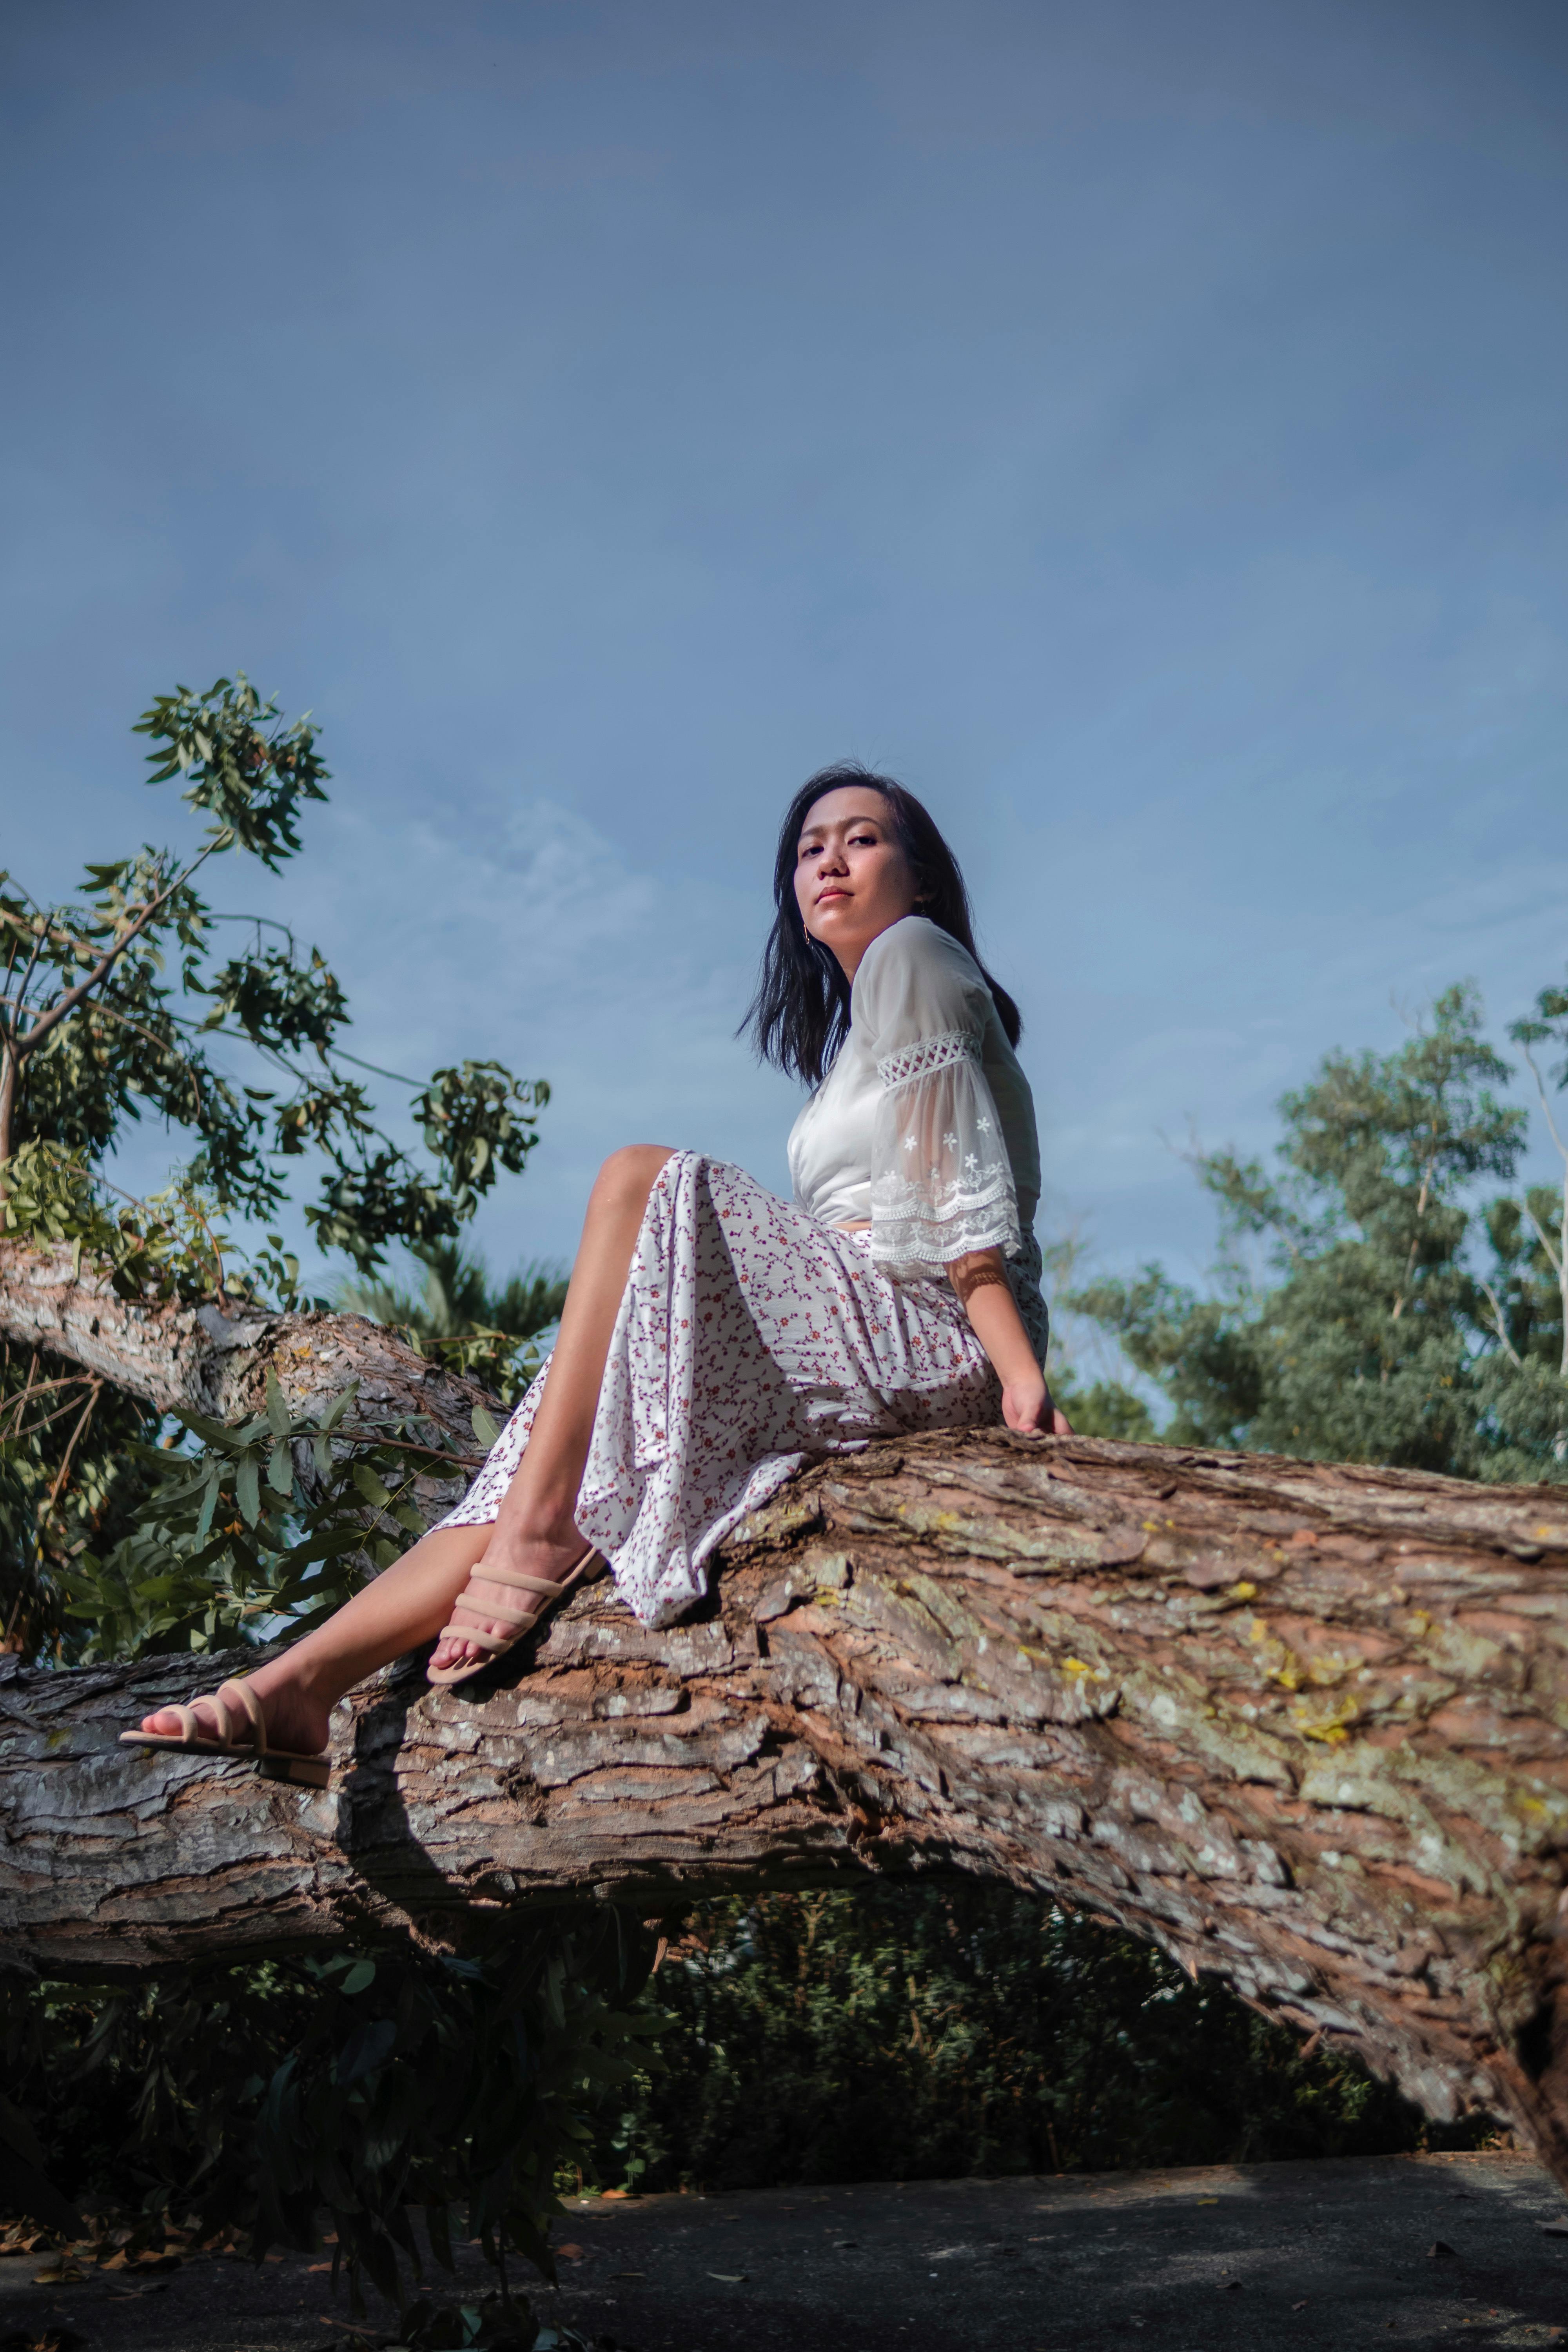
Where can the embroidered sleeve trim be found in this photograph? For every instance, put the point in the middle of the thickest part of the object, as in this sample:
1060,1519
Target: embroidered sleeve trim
918,1059
917,1230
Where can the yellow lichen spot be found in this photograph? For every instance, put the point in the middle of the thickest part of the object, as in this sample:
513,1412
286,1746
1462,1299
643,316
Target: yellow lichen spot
1279,1663
1530,1805
1077,1666
1243,1591
1313,1720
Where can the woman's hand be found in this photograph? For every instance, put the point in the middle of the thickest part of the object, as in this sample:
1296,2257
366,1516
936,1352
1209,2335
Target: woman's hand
981,1281
1027,1407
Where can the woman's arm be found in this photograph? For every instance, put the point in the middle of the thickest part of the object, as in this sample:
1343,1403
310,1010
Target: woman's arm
981,1281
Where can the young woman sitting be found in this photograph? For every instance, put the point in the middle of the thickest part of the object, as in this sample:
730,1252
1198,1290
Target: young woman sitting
716,1338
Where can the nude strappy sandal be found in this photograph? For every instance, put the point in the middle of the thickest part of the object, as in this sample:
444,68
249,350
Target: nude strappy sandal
242,1732
522,1622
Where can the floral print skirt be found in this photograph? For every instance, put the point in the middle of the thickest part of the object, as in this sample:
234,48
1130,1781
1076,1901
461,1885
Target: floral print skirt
750,1340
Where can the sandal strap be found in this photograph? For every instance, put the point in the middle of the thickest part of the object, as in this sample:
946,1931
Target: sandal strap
524,1584
540,1589
494,1611
518,1621
481,1641
222,1701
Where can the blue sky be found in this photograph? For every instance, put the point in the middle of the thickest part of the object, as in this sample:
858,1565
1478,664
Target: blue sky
1140,428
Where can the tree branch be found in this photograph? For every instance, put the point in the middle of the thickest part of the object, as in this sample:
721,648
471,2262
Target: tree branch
1304,1725
1498,1324
216,1362
40,1028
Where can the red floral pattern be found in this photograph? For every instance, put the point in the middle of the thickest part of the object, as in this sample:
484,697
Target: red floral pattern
750,1338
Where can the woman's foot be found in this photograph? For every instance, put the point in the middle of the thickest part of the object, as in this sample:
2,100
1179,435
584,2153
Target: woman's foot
550,1558
297,1722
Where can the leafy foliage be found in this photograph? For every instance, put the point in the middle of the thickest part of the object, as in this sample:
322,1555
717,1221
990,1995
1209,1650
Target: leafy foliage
111,1010
426,2082
920,2028
249,2096
249,781
252,2098
1099,1407
1392,1319
1104,1409
230,1542
255,2097
909,2031
93,1033
457,1316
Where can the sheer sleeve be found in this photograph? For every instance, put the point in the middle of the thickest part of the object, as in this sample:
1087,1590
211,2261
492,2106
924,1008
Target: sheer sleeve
941,1182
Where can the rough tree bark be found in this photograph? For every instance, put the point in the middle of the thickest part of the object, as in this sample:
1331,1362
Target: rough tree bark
215,1360
1305,1724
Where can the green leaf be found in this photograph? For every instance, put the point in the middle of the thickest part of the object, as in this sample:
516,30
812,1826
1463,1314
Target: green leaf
362,1974
276,1410
280,1468
247,1488
215,1432
338,1407
214,1488
370,1485
485,1429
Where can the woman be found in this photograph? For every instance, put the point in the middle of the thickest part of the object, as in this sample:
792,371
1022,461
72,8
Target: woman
715,1338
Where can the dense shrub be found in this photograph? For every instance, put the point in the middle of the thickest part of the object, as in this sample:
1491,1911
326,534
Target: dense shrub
925,2029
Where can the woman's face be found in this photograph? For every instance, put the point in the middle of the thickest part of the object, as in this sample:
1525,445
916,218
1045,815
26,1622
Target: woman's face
852,879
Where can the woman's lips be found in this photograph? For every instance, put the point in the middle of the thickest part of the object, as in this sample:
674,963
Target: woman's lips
824,896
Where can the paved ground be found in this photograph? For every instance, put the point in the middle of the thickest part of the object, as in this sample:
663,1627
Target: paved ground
1326,2257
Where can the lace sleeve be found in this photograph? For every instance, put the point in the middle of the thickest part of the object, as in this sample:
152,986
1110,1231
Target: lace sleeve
941,1182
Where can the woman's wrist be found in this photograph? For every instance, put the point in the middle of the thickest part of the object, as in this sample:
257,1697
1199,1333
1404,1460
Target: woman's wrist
981,1281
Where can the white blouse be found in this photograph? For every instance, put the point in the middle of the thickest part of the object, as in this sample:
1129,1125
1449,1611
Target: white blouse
925,1124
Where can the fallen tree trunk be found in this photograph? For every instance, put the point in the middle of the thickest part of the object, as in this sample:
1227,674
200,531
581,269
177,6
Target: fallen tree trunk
1304,1725
215,1358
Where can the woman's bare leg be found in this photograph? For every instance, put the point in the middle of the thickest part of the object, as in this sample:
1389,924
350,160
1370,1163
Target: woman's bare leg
535,1534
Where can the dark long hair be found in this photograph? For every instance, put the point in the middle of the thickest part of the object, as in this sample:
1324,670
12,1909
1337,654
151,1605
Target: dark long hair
800,1014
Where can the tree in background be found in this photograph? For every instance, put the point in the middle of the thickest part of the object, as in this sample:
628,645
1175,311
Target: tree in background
376,2080
1390,1319
458,1315
122,1533
111,1010
919,2029
1101,1407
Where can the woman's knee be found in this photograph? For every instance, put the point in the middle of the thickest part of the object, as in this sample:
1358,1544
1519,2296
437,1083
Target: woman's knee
628,1176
